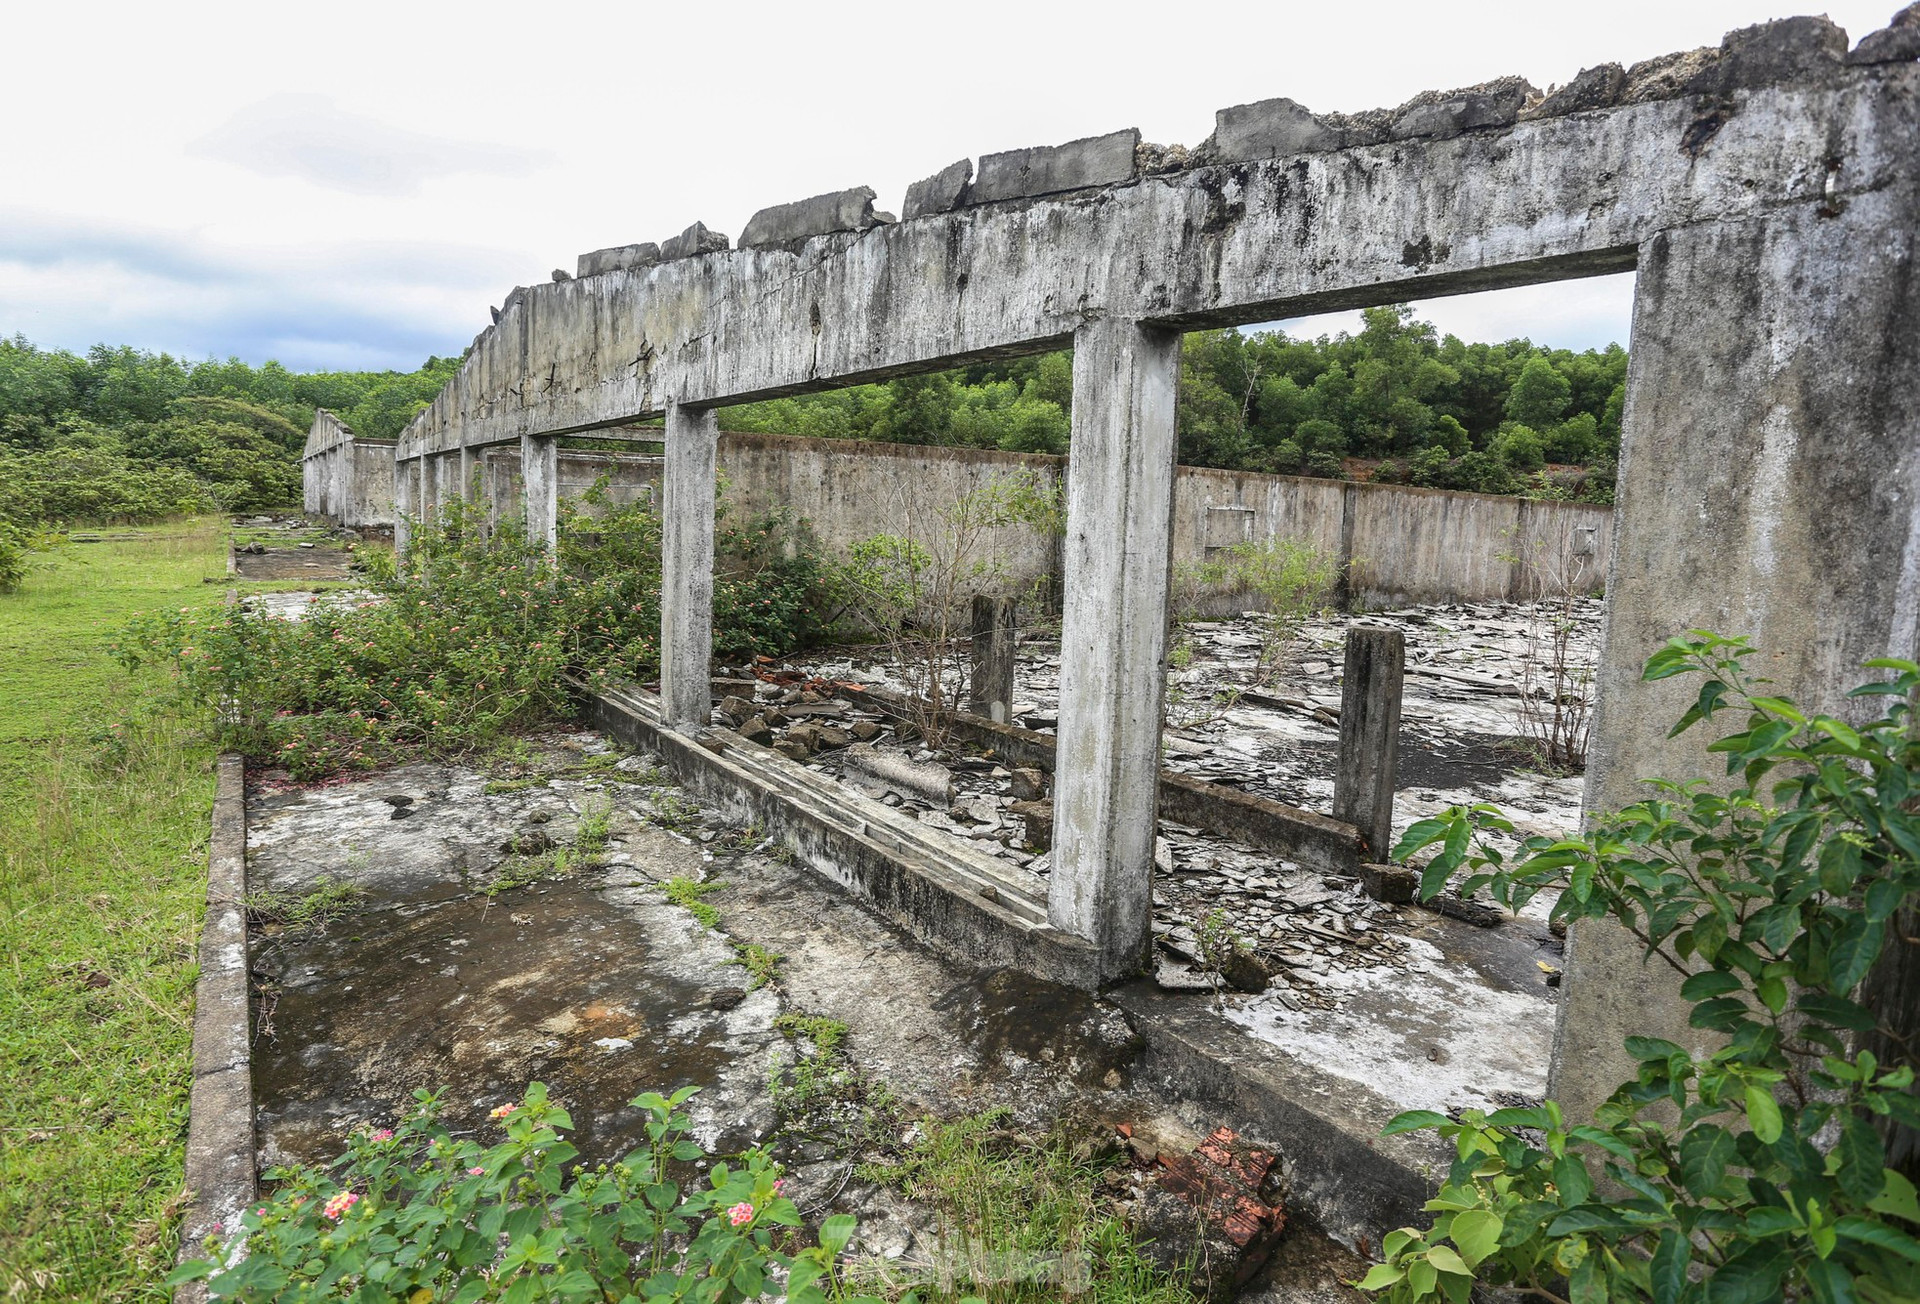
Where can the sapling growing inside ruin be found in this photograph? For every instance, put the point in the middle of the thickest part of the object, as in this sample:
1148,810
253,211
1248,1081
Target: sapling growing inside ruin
1556,678
914,587
1758,1170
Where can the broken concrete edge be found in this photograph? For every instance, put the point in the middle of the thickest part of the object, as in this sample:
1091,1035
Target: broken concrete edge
1764,54
220,1176
1355,1184
963,904
787,225
1315,841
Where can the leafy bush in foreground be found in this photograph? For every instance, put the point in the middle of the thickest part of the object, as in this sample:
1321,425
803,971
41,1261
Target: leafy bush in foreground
465,638
412,1214
1757,1172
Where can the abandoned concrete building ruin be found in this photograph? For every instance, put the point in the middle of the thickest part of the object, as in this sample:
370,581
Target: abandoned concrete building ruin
1765,195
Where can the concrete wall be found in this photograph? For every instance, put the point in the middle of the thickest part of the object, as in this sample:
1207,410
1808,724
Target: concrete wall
1406,545
345,477
634,477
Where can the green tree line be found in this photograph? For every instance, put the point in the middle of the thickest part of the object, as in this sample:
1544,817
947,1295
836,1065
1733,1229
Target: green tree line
126,434
1416,407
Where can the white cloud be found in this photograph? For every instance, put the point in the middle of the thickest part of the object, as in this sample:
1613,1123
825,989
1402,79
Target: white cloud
323,184
311,137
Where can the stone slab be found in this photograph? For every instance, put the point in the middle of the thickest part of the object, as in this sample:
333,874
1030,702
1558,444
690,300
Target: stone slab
787,224
942,192
1047,169
620,258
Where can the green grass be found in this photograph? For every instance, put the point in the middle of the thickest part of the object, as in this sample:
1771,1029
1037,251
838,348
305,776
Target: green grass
1020,1218
104,804
687,894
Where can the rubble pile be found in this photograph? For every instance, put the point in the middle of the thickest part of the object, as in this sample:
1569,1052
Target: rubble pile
1268,730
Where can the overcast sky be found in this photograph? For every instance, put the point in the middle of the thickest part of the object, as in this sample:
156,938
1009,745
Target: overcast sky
351,185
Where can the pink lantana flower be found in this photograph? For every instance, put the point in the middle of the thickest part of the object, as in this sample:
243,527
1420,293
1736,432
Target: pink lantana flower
339,1204
475,1172
502,1112
740,1213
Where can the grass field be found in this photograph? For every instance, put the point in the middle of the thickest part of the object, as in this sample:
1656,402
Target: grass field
103,824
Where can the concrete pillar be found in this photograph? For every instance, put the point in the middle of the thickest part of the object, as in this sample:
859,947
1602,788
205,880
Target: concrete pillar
1118,558
1769,486
992,647
540,481
466,474
686,567
405,475
1369,756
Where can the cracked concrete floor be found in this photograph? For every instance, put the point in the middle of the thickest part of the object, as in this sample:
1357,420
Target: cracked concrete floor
594,983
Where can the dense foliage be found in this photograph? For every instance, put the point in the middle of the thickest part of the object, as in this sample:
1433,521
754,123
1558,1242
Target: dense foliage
1434,411
126,435
412,1213
1758,1171
467,639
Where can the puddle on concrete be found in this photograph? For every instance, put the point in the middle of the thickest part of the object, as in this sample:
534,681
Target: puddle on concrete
482,997
591,983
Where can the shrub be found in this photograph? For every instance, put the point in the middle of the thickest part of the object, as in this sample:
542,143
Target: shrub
465,639
412,1214
1756,1172
71,484
13,557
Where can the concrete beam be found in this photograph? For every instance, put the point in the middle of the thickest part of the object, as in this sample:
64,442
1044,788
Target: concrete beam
686,567
1118,556
1769,486
1250,241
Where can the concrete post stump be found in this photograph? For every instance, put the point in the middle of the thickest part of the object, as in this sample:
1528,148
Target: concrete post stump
1369,756
1113,637
991,690
686,566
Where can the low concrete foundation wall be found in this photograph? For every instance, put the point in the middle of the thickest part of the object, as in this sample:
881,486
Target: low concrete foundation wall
220,1176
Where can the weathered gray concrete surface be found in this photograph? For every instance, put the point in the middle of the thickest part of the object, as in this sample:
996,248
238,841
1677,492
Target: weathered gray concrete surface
220,1177
1769,486
540,486
788,224
1545,199
1048,169
344,476
1397,544
1370,688
686,565
1114,637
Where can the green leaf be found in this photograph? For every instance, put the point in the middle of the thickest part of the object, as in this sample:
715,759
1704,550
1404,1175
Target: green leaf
836,1231
1668,1271
1698,987
1763,1112
1898,1198
1705,1152
1571,1178
1477,1234
1852,952
1860,1157
1868,1231
1413,1120
1380,1276
1830,1282
1588,1218
1444,1258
